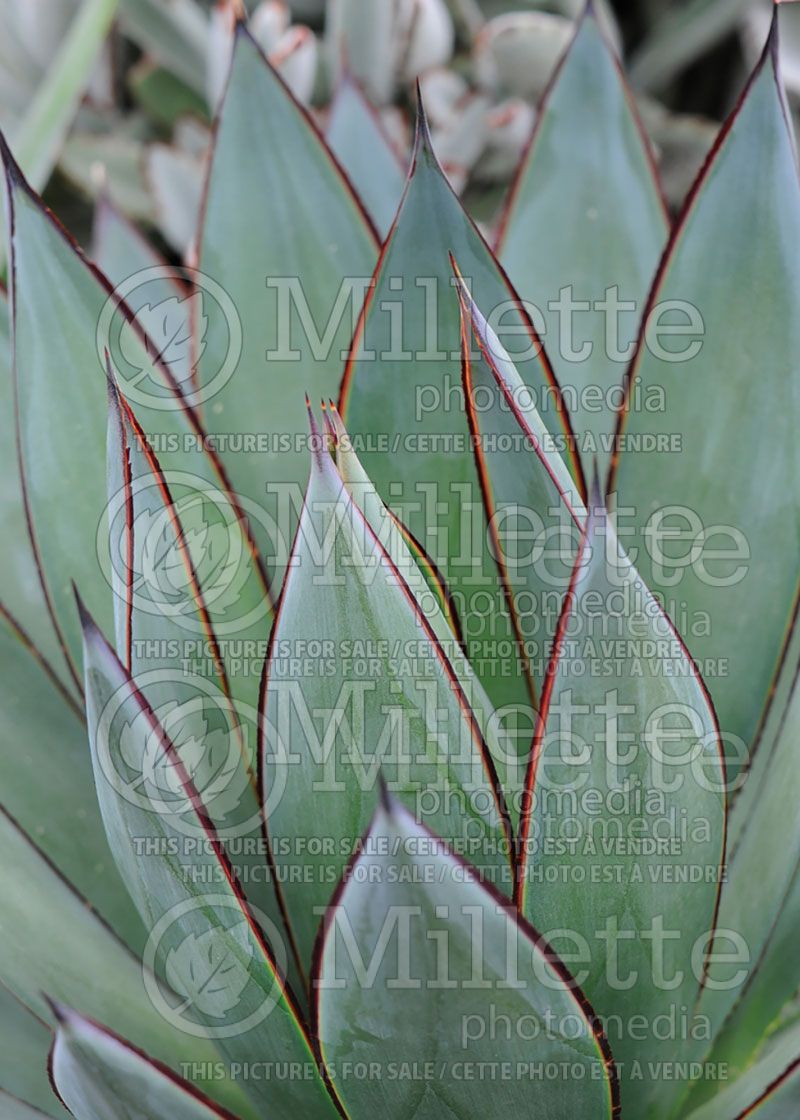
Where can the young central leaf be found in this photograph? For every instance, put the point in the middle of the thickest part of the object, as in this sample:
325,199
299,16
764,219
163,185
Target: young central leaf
359,687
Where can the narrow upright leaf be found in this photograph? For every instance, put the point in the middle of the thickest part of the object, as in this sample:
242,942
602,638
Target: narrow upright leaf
229,982
403,403
284,236
713,501
381,697
585,224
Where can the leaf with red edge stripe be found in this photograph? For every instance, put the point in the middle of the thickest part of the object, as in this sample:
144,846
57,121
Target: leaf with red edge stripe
768,1090
359,682
535,511
203,935
180,565
284,235
401,400
716,511
99,1076
399,977
64,316
622,842
585,217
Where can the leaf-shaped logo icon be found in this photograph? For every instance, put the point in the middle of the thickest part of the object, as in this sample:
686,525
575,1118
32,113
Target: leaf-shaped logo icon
211,970
168,325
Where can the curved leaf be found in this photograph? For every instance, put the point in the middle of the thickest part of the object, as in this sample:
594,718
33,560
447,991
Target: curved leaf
47,785
227,977
768,1090
622,842
380,695
64,316
585,216
438,1009
718,524
15,1109
97,1074
82,962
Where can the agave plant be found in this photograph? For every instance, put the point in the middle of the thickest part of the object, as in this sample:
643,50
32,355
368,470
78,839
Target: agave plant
431,608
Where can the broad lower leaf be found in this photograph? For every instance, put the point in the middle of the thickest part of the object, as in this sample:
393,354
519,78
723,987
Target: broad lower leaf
204,937
19,578
25,1042
15,1109
375,693
283,235
357,138
716,513
427,963
586,225
99,1076
403,404
46,781
81,962
623,836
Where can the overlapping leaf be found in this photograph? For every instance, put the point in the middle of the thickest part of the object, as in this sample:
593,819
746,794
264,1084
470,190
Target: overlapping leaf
99,1075
63,318
358,684
403,404
24,1045
359,141
81,962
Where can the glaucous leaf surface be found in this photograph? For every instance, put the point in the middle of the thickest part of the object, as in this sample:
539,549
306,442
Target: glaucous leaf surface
19,579
403,404
585,222
761,874
15,1109
47,784
624,839
715,513
768,1090
398,979
24,1045
380,697
358,140
284,236
101,1077
534,509
205,939
82,962
63,319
